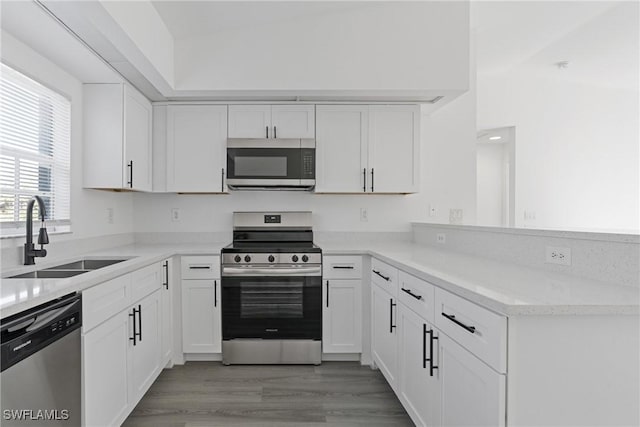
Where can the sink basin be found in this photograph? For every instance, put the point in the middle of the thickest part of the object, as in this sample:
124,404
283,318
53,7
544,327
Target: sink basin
87,264
48,274
69,269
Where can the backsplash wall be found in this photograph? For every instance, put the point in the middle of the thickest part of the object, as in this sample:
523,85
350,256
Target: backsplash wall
612,258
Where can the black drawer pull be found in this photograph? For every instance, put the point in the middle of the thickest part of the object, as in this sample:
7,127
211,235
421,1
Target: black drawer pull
165,266
381,275
200,267
451,317
343,267
408,291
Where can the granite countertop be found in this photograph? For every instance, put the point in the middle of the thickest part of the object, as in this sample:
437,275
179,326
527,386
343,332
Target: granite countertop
505,288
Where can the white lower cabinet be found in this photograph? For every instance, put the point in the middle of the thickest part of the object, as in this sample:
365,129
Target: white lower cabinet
473,394
201,316
384,337
121,349
418,376
166,335
105,359
145,354
342,316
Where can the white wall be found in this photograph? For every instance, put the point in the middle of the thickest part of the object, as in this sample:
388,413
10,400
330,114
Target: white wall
577,149
385,46
88,207
491,184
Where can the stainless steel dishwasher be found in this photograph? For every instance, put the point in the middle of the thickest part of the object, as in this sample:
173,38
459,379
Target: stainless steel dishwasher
41,365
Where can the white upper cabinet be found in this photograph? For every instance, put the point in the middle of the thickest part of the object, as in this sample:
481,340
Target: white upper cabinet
196,148
117,138
341,148
367,148
394,148
271,121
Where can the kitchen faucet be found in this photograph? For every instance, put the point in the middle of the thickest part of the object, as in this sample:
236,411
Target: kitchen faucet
30,252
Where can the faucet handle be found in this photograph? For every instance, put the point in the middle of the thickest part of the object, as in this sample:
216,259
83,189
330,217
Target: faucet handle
43,237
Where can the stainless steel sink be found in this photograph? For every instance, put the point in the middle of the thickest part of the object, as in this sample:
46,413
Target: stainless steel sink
48,274
69,269
87,264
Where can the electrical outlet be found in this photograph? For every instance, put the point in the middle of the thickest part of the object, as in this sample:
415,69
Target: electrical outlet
175,214
455,216
529,215
441,238
109,215
364,215
433,211
558,255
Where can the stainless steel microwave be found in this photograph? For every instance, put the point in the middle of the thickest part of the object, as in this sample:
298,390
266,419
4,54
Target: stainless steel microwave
271,164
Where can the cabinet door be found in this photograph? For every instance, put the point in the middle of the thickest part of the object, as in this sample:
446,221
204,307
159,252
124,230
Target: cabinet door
394,142
105,355
250,121
341,144
137,140
342,316
293,121
201,331
473,394
145,354
419,388
384,333
167,313
196,148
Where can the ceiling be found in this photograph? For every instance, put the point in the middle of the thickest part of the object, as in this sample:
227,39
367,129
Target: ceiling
600,40
185,19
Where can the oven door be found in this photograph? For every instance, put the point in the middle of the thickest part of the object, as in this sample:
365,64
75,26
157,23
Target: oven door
278,164
272,307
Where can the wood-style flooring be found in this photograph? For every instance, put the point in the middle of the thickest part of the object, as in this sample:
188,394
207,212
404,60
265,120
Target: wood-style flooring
200,394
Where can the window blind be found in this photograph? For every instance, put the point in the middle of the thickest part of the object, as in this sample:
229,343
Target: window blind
35,126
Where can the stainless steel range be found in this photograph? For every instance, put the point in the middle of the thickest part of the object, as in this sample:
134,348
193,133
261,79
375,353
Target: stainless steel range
272,290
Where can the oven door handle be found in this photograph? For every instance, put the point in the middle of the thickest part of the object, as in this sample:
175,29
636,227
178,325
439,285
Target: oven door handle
247,272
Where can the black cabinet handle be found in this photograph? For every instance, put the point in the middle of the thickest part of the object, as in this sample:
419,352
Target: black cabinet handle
372,180
130,166
408,291
140,322
135,334
380,274
391,325
222,181
267,132
275,133
199,267
343,267
165,266
327,293
432,337
451,317
364,182
215,293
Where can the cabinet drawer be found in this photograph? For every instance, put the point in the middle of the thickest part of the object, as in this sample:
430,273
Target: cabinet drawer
105,300
481,331
201,267
342,267
145,281
417,295
385,276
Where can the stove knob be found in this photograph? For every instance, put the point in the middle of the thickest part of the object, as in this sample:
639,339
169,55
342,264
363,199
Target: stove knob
305,258
271,258
237,258
247,258
294,258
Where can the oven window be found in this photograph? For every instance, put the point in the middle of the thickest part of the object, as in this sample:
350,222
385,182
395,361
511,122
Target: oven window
260,166
265,300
